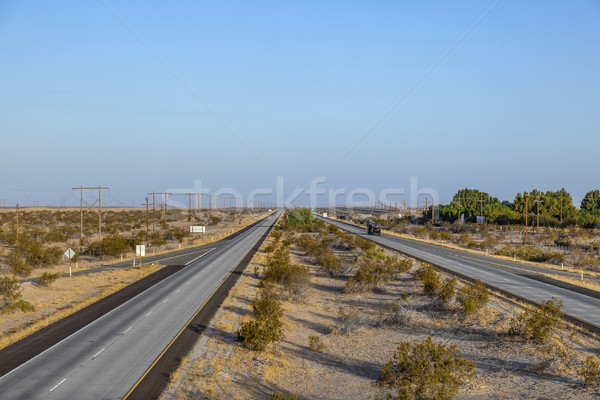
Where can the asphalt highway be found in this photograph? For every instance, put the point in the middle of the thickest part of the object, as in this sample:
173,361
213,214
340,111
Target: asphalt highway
106,358
503,274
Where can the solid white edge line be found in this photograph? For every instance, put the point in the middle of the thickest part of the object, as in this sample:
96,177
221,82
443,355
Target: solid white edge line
98,353
58,384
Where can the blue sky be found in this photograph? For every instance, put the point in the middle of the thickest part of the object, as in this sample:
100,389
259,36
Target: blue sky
514,106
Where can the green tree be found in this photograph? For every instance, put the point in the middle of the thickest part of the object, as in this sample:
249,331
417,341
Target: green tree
591,201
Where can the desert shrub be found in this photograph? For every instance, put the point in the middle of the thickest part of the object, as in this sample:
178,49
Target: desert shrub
10,288
316,344
421,231
375,253
430,279
447,291
18,266
35,254
531,253
213,220
266,328
22,305
270,247
111,246
286,242
539,324
392,267
474,297
178,234
349,320
280,269
395,314
330,264
425,370
283,396
590,370
277,236
46,279
364,278
404,296
364,244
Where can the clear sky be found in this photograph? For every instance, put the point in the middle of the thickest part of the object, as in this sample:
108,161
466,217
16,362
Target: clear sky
515,105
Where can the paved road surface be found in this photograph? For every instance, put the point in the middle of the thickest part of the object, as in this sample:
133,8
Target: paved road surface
497,272
105,359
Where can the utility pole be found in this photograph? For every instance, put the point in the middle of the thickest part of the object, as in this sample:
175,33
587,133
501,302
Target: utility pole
3,203
561,201
432,211
481,208
189,195
99,201
17,240
537,201
426,209
526,212
147,222
153,211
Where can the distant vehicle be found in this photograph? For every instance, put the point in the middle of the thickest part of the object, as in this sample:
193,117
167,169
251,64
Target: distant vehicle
324,215
373,228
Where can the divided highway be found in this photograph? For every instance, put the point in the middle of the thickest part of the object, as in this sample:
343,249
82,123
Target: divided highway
106,358
493,271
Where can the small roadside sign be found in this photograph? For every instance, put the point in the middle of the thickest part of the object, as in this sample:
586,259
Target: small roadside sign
69,253
140,250
197,229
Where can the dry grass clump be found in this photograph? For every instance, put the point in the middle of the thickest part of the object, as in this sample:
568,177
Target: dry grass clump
396,314
350,319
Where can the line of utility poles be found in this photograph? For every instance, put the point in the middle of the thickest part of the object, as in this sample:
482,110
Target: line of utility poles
90,206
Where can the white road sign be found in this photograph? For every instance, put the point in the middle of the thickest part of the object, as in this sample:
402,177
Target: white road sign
197,229
69,253
140,250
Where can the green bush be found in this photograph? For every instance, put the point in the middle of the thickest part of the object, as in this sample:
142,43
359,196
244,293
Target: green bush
266,328
330,264
18,266
364,279
10,288
46,279
540,324
271,247
425,370
280,269
35,254
590,370
474,297
22,305
447,291
112,246
283,396
432,283
316,344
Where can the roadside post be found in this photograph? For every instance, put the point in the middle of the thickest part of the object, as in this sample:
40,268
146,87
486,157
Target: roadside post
69,254
140,251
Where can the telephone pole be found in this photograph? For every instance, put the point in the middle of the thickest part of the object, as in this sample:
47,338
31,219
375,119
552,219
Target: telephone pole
3,203
537,201
189,195
147,222
161,210
526,214
481,207
99,201
17,240
153,211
